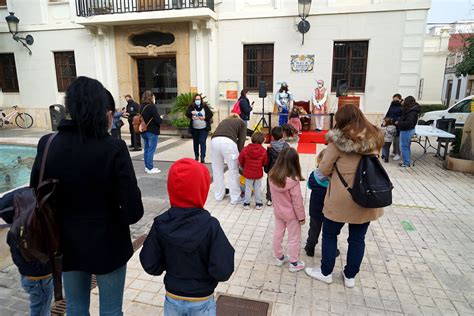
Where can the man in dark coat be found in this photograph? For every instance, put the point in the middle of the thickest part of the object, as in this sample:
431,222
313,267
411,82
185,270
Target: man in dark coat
394,112
132,110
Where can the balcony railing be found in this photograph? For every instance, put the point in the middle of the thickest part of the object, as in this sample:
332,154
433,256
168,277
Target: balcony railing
87,8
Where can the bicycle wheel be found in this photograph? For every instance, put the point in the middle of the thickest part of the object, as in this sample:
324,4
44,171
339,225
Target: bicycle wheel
24,120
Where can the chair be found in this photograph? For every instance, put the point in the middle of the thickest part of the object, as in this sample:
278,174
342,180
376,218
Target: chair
447,125
305,121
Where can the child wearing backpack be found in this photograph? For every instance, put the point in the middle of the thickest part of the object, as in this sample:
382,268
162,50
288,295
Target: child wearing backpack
252,159
318,185
389,132
188,243
36,278
276,146
288,208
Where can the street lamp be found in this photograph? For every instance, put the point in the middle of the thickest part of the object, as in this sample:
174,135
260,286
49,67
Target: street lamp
304,6
12,22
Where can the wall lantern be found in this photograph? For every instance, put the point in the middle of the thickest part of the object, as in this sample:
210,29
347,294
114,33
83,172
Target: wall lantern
12,22
304,6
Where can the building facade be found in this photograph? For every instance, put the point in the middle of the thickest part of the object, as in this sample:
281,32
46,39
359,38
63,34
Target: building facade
175,46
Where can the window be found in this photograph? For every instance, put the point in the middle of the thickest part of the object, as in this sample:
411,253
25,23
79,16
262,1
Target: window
350,63
458,89
258,65
461,107
3,3
8,77
65,69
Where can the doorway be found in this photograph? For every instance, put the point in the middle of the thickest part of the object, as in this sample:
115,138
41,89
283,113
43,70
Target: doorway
448,92
159,76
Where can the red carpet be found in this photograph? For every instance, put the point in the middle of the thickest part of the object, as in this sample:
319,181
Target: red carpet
308,141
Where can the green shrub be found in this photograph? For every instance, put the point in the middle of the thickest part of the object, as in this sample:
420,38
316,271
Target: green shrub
432,107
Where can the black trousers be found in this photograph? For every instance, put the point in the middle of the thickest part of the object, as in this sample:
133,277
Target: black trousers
134,137
313,232
269,194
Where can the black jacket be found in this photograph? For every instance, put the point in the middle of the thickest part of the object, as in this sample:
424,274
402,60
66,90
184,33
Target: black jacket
394,111
132,109
208,119
97,198
316,202
245,108
409,118
149,112
27,268
272,157
190,245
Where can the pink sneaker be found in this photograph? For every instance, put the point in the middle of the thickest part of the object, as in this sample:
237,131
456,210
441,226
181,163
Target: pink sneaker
295,268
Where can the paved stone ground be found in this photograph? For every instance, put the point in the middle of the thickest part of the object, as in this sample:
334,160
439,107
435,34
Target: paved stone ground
419,257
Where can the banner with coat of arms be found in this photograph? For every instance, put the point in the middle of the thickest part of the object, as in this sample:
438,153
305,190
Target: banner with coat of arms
302,63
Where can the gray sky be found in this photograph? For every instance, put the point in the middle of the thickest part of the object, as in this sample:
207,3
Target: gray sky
446,11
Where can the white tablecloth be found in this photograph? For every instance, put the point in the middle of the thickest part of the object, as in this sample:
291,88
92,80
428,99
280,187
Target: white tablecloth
430,131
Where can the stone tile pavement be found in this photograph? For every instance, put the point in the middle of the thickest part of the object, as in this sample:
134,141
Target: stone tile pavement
419,257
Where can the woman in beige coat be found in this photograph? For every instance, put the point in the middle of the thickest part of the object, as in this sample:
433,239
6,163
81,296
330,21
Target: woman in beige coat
352,137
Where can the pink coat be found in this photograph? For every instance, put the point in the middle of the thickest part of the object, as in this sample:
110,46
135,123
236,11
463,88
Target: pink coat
288,201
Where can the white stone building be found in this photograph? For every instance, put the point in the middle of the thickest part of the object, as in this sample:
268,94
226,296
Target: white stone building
174,46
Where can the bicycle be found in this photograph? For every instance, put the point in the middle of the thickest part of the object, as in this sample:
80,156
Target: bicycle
22,119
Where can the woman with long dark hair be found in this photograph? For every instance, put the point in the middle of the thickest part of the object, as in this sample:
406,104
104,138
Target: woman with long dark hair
96,200
200,115
406,125
245,106
352,137
152,122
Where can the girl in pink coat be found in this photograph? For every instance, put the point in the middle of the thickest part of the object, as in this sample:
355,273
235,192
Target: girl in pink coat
288,208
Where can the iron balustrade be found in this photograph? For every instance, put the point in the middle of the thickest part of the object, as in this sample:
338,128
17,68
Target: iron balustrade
87,8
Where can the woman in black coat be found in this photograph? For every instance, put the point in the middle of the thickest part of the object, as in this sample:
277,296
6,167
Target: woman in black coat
96,200
245,107
200,116
406,124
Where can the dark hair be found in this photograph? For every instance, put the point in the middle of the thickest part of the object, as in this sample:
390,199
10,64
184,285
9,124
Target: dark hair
408,103
397,95
244,92
283,88
277,133
87,103
147,97
257,138
287,165
355,126
388,121
128,96
294,112
198,95
289,130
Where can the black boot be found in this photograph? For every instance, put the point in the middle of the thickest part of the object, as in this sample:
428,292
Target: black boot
309,250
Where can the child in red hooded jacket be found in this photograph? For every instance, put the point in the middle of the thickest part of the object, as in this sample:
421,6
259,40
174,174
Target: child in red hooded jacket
252,159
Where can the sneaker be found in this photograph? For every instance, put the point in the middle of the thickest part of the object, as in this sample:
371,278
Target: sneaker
279,262
348,282
396,157
196,158
246,206
203,161
239,201
309,251
269,203
296,266
152,171
131,146
259,206
316,273
386,160
403,165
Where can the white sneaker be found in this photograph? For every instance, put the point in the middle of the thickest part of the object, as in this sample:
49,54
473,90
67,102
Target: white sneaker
316,273
153,171
348,282
280,262
396,157
299,266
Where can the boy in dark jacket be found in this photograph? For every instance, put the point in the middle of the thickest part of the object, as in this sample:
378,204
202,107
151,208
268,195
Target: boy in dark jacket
394,112
188,243
276,146
252,159
36,278
318,185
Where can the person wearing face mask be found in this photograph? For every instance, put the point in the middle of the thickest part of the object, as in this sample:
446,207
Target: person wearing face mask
245,106
97,198
320,102
283,100
200,115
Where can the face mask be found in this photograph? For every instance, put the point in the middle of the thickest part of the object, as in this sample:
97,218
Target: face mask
320,85
197,102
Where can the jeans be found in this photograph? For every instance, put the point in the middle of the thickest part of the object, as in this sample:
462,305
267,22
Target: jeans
256,185
355,252
150,141
77,286
174,307
396,145
41,294
314,231
199,140
282,117
386,150
405,145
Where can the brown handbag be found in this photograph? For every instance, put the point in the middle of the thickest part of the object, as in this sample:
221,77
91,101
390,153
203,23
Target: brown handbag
35,227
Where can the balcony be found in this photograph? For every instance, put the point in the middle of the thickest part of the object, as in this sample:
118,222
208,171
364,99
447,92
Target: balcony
122,12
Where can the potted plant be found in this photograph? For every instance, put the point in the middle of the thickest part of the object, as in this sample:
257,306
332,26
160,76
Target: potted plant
178,110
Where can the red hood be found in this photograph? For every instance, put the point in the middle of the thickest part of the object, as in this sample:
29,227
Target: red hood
188,184
254,150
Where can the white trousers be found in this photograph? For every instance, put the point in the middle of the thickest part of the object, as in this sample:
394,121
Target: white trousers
319,121
223,149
